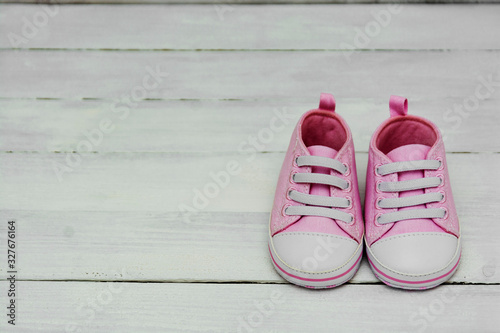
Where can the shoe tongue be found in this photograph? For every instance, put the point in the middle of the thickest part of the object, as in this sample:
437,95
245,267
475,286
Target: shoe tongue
323,151
411,153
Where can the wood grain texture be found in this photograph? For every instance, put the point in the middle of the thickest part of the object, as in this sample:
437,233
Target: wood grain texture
166,307
223,26
213,247
237,2
122,210
246,75
117,213
160,182
223,126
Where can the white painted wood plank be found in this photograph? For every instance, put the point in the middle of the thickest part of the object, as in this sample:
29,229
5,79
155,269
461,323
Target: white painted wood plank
151,307
122,210
160,182
222,126
225,26
257,2
246,75
215,247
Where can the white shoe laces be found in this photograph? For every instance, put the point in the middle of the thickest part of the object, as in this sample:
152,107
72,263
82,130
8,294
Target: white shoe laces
408,185
318,204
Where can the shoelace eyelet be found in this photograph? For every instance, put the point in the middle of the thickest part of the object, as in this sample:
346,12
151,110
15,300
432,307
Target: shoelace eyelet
295,162
377,202
443,197
290,189
349,187
347,171
376,170
349,204
441,164
283,210
377,218
445,214
442,180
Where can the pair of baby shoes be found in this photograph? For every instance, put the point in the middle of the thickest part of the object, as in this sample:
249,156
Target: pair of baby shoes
411,227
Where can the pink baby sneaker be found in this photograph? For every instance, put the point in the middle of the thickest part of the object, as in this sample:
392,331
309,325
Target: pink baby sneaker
316,225
412,230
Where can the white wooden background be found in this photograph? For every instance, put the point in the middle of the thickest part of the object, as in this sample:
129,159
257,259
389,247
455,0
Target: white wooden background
106,247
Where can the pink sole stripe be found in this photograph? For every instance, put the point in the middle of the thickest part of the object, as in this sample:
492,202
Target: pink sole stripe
413,282
314,280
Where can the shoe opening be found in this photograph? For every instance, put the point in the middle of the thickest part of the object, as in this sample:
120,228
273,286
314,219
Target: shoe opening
401,132
323,129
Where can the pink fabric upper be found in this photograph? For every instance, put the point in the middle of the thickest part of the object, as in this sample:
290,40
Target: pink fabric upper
338,134
403,130
413,152
318,223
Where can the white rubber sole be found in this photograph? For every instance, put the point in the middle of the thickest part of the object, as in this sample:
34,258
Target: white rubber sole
413,282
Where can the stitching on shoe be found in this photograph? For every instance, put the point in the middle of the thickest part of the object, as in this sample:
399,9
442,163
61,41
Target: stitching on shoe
313,234
413,234
319,273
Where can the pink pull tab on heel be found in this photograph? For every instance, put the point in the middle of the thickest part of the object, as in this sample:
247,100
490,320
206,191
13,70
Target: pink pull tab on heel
327,102
398,106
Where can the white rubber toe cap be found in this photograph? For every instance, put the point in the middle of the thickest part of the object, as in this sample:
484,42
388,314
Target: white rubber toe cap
416,253
313,252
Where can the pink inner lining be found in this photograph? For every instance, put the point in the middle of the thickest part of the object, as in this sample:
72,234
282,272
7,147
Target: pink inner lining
323,130
401,132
